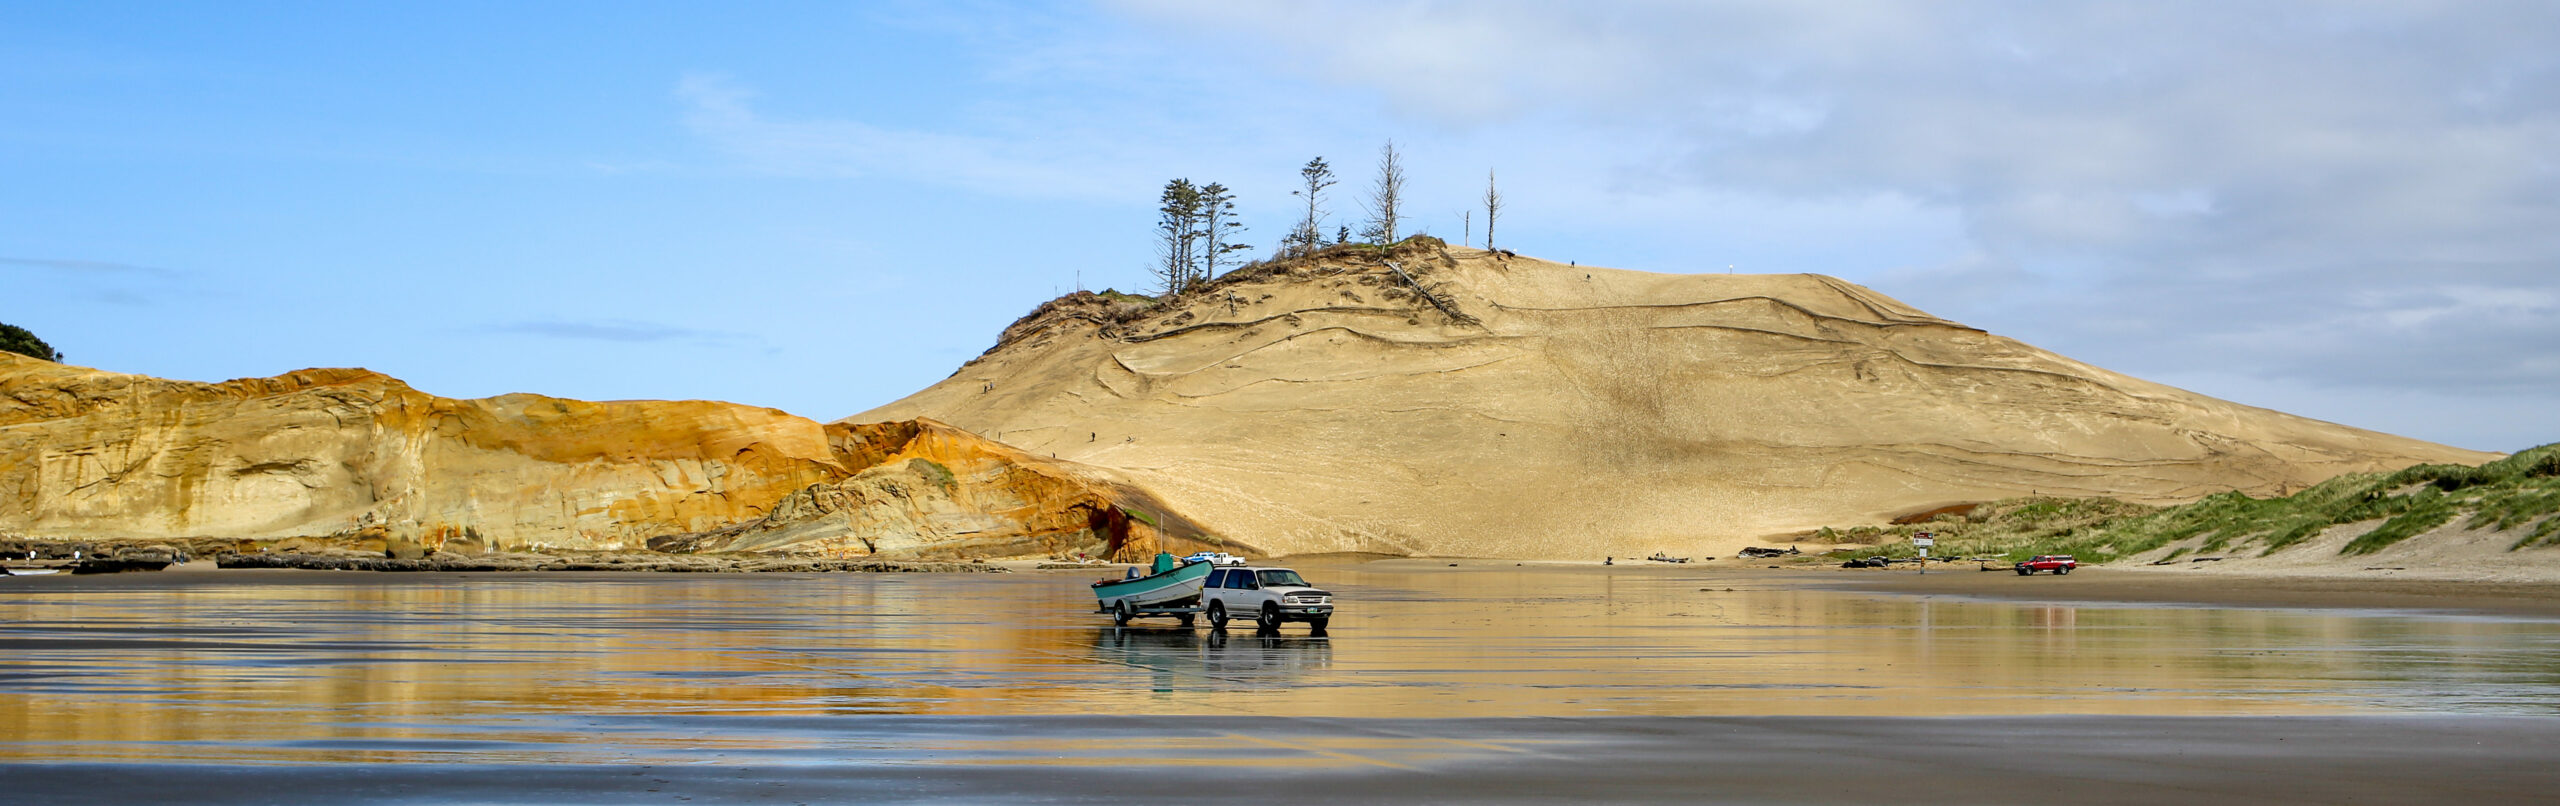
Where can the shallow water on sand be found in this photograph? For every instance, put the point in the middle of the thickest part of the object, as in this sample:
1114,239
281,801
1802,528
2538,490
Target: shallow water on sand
282,667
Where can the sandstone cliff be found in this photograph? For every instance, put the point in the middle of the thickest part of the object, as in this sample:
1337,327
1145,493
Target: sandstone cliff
1465,402
351,453
927,490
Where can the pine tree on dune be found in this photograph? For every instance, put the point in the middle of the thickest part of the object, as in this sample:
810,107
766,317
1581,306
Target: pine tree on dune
1217,225
1178,236
1309,233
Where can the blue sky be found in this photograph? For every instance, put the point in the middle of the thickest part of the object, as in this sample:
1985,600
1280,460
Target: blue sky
2349,211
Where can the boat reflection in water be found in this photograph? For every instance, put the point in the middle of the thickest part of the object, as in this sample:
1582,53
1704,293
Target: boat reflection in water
1213,660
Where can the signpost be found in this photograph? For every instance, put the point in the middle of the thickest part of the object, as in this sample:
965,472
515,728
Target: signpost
1923,541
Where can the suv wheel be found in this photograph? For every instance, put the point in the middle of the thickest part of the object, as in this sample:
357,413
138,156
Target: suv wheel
1269,619
1217,615
2062,569
2025,571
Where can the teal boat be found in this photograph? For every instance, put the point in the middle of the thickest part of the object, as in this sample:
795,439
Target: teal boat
1173,583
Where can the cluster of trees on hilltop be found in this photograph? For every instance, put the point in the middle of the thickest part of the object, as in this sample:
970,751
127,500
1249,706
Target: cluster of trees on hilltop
1196,228
16,339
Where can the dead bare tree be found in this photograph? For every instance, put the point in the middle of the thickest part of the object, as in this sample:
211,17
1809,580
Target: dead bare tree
1386,199
1492,207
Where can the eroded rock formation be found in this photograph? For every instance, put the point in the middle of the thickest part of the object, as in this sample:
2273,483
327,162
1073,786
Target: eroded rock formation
928,490
360,456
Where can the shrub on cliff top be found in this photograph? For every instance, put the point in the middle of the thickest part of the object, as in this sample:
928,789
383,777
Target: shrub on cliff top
16,339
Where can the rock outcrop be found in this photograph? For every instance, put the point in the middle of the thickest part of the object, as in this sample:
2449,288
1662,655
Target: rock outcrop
931,491
365,459
1435,400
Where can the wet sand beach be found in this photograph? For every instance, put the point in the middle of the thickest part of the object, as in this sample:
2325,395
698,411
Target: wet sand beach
1487,682
2178,586
2094,760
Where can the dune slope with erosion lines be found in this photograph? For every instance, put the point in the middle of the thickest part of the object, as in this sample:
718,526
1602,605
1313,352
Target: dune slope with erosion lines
1450,401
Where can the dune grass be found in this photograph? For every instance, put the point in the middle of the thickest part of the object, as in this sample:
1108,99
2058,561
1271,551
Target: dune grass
934,473
2519,493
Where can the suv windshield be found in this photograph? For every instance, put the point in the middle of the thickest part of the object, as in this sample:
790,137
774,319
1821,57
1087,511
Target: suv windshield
1280,576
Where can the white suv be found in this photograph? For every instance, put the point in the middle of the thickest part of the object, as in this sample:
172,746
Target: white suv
1266,595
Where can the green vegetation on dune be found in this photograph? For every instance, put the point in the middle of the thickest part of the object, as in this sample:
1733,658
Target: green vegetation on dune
2529,501
18,340
2519,493
1115,295
2016,527
934,473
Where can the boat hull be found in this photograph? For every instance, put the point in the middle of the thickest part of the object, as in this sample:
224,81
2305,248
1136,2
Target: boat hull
1157,590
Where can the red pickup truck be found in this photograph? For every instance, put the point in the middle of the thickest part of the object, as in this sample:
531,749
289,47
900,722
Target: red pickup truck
2057,563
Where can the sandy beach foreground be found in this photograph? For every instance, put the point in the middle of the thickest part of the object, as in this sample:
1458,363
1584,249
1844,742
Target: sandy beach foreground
1159,759
1473,681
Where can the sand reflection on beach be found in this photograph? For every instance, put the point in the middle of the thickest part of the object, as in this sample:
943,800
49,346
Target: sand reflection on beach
284,666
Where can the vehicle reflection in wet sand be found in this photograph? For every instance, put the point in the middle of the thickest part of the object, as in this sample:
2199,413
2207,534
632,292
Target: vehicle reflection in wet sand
1178,660
274,667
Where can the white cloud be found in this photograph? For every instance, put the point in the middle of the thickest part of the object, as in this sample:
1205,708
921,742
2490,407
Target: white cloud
2136,181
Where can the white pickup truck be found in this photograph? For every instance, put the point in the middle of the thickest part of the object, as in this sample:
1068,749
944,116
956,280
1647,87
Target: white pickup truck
1267,595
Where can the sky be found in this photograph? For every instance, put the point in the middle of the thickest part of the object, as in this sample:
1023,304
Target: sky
2344,210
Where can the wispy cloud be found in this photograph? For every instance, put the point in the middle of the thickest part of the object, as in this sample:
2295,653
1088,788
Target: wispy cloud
722,111
93,267
618,330
633,167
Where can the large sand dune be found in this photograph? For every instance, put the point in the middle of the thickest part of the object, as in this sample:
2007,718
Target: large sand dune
1561,411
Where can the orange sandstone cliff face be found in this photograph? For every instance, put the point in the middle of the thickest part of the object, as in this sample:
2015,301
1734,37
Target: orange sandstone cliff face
347,452
929,490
